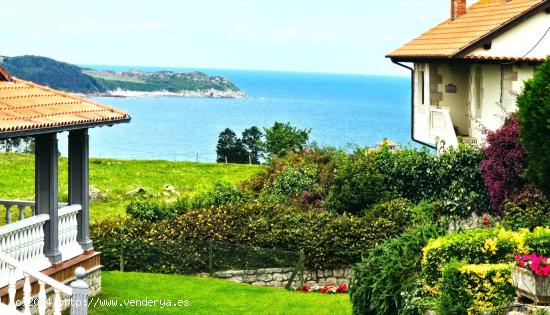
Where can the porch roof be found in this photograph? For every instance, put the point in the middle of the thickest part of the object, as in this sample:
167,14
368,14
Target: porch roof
455,38
27,108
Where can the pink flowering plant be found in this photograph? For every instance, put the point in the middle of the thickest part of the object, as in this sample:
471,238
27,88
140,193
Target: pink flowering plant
538,264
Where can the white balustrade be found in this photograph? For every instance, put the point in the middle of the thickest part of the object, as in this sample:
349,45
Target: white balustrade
24,242
68,230
78,290
441,126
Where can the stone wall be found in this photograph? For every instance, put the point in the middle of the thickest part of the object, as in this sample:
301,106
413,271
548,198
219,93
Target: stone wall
278,277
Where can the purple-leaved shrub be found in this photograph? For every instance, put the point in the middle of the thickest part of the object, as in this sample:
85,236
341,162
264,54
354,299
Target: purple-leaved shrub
503,166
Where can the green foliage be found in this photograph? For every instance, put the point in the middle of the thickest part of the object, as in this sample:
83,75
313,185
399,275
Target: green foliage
329,240
230,148
409,173
454,298
283,138
292,182
46,71
534,117
481,246
220,194
251,138
527,211
462,186
389,272
357,184
154,211
475,289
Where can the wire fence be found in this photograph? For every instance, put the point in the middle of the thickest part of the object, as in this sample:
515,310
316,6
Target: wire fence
194,257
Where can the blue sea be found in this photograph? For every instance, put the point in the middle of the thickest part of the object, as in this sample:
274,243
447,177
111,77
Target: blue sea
341,110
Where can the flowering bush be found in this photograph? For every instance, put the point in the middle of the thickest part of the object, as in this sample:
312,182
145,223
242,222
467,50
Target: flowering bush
475,289
330,289
503,166
483,246
538,264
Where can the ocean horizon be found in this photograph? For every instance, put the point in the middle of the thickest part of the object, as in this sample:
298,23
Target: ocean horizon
342,110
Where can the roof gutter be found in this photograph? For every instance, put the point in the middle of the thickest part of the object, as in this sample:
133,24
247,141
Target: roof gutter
412,105
38,131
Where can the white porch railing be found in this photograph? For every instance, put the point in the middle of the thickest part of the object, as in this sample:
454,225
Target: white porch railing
78,291
20,207
68,230
24,242
441,126
22,255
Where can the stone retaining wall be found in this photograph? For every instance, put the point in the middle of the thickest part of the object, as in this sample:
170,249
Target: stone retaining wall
278,277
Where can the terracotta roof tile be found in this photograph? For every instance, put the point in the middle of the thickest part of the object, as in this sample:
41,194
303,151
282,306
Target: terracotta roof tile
27,106
452,36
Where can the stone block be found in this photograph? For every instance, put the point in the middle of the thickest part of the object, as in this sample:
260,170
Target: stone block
320,274
264,277
236,279
339,273
328,273
277,277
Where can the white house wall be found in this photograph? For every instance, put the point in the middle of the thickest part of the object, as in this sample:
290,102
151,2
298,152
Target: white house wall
517,41
421,111
457,75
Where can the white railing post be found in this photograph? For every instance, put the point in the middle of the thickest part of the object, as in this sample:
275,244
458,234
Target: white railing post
79,303
42,298
27,295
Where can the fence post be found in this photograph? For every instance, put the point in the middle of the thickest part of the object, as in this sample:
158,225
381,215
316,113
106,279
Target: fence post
301,262
79,305
298,268
210,258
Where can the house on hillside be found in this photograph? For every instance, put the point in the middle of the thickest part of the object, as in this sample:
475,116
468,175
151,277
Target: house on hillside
43,243
467,70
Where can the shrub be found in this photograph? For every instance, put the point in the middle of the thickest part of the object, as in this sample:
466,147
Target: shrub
219,194
483,246
357,184
329,240
292,182
528,210
475,289
389,270
503,165
459,176
409,173
153,211
534,115
283,138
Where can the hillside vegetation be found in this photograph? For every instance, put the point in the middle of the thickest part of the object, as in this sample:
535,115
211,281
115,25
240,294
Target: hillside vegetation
116,178
71,78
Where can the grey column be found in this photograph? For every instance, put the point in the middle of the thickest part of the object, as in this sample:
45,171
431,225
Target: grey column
79,183
46,192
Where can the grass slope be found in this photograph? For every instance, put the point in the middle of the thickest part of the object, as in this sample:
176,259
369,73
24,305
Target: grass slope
209,296
117,177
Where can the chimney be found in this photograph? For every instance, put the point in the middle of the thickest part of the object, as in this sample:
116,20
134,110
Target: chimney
458,8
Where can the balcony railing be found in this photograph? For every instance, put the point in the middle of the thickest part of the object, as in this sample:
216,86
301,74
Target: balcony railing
442,128
24,240
22,255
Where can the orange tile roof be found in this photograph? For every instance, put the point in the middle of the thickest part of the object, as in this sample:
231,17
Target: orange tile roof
452,37
28,107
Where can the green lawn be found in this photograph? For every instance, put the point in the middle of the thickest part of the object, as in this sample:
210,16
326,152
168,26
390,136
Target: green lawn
117,177
207,296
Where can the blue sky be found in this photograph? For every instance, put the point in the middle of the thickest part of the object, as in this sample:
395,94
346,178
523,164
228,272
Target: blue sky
346,36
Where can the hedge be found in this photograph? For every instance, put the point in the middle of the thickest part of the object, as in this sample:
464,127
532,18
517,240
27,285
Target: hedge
474,289
329,240
482,246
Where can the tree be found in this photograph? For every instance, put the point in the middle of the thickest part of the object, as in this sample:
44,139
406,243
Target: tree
230,148
282,138
534,118
252,138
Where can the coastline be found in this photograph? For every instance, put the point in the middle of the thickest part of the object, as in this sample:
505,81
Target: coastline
210,93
